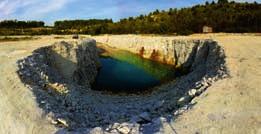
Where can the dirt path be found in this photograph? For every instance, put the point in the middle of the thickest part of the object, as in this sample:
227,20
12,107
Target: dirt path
231,105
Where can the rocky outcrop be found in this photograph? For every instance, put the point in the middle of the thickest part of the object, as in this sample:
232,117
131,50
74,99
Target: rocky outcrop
75,61
180,53
80,109
53,66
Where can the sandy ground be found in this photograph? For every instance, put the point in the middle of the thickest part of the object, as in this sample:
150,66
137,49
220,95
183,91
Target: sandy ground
232,105
19,112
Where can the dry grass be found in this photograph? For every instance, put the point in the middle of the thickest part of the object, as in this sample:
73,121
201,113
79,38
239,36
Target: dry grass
16,38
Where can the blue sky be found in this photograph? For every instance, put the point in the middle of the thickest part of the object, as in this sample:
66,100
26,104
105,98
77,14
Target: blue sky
51,10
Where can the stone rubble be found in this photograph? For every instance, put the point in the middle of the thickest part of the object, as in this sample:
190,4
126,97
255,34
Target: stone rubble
68,101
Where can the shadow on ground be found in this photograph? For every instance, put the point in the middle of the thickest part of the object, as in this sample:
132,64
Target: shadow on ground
77,108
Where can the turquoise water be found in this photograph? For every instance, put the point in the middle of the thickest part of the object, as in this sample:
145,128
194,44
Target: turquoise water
123,71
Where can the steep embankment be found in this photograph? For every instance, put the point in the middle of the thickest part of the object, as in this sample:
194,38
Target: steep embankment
181,53
60,63
20,112
53,72
230,102
163,49
74,61
231,105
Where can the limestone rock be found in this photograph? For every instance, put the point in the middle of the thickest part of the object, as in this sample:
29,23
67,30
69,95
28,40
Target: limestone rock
123,129
192,92
76,61
184,100
63,122
180,53
97,130
90,109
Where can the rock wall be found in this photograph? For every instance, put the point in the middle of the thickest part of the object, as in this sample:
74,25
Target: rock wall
79,109
77,61
180,53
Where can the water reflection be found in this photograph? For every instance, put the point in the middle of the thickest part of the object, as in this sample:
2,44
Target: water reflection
122,70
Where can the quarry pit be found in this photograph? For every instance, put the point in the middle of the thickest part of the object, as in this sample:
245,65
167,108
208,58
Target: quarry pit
61,76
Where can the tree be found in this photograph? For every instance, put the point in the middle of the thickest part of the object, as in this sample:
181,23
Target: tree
222,1
222,17
156,12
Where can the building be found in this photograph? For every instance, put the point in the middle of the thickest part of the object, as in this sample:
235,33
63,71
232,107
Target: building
207,29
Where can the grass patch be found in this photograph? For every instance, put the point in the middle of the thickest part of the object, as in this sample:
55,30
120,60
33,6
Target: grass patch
6,38
59,37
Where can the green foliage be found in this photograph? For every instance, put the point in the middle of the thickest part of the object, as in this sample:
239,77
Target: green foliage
222,16
5,39
20,24
26,31
222,1
79,24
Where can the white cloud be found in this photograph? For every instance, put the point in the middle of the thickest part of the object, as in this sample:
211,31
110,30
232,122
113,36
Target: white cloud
29,8
7,8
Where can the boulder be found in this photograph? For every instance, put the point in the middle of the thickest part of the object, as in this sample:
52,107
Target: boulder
123,130
192,92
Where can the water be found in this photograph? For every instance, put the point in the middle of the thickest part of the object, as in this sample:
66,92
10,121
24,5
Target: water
123,71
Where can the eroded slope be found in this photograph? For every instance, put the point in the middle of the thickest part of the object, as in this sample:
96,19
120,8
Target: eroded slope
78,108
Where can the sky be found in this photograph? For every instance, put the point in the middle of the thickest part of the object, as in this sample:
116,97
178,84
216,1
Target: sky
52,10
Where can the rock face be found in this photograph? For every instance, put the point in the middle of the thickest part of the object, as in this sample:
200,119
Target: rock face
180,53
83,110
75,61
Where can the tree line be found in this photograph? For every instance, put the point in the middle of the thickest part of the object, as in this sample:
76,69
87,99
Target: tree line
20,24
92,26
222,16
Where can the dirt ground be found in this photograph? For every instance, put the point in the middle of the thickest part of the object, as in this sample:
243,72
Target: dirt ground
232,105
